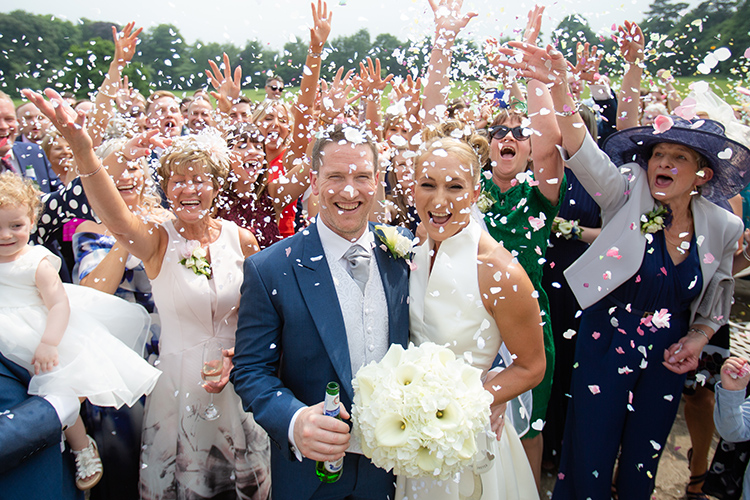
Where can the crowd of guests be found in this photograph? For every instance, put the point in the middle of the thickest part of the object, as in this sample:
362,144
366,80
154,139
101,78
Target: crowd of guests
620,214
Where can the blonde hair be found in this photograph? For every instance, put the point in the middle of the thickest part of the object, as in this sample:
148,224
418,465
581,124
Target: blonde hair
150,201
463,132
262,109
48,139
461,150
18,191
206,149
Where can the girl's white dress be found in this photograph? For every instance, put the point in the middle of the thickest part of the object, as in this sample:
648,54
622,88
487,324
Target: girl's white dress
97,354
445,307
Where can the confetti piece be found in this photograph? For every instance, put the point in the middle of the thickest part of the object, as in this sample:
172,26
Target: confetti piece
569,334
596,335
594,389
726,154
708,258
662,123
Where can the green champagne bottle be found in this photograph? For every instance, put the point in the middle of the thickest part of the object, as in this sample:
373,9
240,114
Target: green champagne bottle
330,472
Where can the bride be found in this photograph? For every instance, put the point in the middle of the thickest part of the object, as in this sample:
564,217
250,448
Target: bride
469,293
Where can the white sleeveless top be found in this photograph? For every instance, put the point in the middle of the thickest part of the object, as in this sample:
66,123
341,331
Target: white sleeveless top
445,305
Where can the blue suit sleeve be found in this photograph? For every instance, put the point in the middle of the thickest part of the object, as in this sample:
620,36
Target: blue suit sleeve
258,357
28,424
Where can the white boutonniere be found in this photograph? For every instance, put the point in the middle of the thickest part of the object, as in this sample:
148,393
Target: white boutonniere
569,229
399,245
485,202
194,257
655,220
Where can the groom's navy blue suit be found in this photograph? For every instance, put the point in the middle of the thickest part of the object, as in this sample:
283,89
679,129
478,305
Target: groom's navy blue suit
291,342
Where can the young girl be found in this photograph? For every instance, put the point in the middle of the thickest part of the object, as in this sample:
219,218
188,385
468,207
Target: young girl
732,410
68,352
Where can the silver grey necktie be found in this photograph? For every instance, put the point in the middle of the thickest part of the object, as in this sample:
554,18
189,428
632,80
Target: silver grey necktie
359,265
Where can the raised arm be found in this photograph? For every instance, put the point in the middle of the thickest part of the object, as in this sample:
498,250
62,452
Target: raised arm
448,23
549,66
408,93
631,43
548,165
143,240
371,84
104,104
228,85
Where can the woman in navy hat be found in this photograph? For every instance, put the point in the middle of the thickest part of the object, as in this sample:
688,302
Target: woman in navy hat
656,284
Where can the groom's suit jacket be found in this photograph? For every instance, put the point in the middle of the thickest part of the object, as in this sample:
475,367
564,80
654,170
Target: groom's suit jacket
291,342
31,464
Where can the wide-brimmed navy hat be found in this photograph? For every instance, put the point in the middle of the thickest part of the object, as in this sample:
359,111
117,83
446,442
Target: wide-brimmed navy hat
729,160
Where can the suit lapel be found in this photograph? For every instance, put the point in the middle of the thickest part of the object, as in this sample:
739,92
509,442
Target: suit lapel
319,293
393,274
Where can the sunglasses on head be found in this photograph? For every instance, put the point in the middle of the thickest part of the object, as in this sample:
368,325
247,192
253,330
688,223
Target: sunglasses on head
500,131
275,88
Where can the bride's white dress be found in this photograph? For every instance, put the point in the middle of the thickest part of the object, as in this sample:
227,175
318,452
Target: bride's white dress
445,307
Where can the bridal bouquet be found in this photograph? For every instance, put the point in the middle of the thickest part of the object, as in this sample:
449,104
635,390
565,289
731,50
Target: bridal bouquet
419,411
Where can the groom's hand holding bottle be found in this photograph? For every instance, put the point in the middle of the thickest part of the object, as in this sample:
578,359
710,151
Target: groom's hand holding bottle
320,437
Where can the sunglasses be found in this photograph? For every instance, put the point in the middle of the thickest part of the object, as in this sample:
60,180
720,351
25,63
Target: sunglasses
275,88
519,133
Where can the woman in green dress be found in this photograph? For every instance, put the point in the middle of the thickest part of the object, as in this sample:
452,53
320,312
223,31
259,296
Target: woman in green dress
521,194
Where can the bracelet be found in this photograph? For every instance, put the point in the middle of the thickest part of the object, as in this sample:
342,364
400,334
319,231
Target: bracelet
569,112
82,176
314,54
702,332
108,95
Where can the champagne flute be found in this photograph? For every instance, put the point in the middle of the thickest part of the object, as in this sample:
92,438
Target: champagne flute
213,362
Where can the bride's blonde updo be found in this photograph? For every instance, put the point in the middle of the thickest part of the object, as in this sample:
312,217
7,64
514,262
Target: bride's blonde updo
460,150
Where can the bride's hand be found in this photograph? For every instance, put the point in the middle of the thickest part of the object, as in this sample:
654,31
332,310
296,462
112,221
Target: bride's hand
497,419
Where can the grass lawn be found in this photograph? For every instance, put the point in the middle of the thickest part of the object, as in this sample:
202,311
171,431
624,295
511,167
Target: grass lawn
721,85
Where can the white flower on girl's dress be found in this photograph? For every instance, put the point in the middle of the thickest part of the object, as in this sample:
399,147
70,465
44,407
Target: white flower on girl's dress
419,411
194,258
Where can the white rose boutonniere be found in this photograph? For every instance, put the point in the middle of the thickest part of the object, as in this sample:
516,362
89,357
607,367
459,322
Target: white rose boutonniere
399,245
568,229
194,257
655,220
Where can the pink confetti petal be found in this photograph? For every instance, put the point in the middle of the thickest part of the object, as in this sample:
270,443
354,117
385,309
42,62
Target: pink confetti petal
536,223
747,53
614,252
708,258
743,90
594,389
663,270
662,123
620,350
638,279
596,335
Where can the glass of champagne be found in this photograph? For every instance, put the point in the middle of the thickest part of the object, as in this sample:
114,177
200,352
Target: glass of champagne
213,362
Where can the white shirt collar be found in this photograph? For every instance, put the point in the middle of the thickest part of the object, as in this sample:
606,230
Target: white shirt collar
336,246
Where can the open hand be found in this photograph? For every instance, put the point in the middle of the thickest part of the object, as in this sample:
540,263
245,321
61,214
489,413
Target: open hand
125,43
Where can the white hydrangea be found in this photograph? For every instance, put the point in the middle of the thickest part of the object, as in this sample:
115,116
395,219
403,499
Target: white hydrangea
418,411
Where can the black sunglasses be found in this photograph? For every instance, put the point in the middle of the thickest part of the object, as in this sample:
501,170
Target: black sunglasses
275,88
519,133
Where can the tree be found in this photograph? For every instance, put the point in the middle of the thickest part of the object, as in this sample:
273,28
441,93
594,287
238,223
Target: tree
662,16
85,67
161,49
26,60
386,48
572,30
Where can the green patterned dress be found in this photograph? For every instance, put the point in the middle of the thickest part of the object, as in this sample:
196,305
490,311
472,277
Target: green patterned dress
521,219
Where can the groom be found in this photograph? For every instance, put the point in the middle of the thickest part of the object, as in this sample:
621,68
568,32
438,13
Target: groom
315,308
